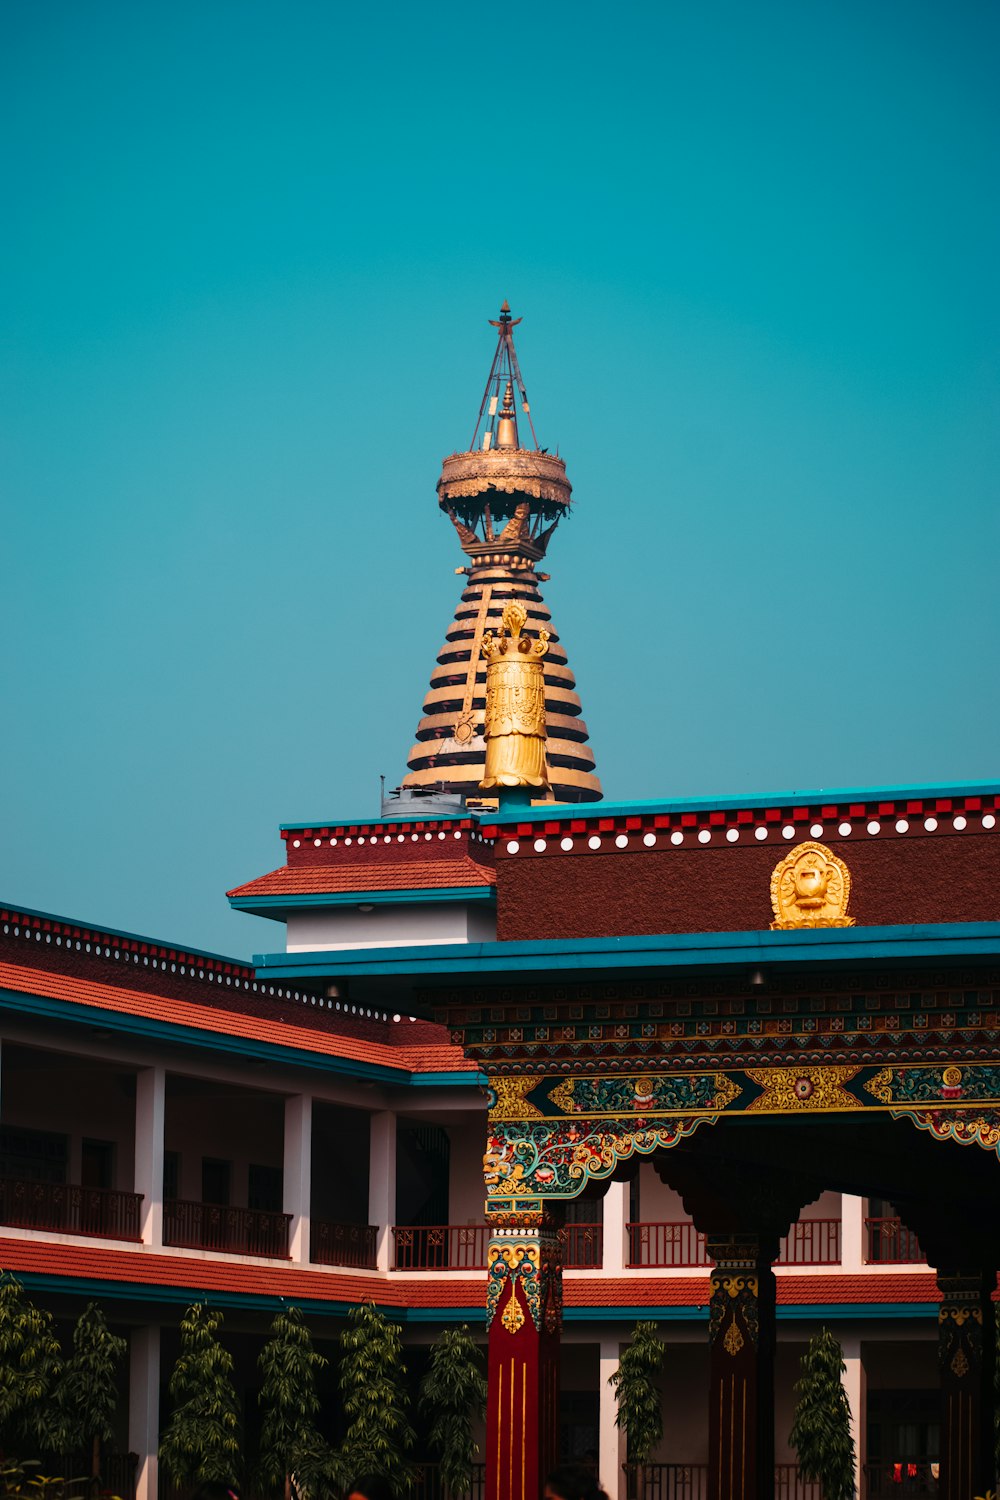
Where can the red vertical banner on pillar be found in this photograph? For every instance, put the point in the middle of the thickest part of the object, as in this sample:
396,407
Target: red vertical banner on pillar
741,1371
966,1356
524,1314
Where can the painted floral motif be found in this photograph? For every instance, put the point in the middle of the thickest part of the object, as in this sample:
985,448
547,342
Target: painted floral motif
972,1085
647,1094
556,1158
967,1127
535,1264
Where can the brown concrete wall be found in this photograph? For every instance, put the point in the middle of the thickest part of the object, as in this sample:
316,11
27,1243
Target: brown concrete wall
896,878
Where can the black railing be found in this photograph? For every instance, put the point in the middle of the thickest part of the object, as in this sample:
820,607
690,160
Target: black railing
236,1231
907,1476
64,1207
343,1244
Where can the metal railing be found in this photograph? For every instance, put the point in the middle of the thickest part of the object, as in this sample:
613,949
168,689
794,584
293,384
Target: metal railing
908,1476
439,1247
675,1244
888,1242
117,1473
103,1212
427,1484
690,1482
582,1247
343,1244
236,1231
811,1242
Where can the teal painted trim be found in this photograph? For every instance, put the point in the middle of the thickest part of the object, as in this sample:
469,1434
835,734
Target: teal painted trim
564,812
590,810
218,1041
267,904
799,1313
716,950
127,1291
450,1080
98,929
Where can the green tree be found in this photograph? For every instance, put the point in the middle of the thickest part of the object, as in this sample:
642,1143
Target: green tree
372,1375
202,1440
290,1442
821,1431
87,1394
640,1409
30,1366
452,1397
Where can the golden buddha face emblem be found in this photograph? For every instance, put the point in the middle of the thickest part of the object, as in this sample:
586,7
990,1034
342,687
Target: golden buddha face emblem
810,888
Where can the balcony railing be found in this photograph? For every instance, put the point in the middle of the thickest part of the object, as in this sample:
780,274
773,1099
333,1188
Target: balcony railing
675,1244
582,1246
690,1482
811,1242
68,1209
343,1244
908,1476
439,1247
236,1231
888,1242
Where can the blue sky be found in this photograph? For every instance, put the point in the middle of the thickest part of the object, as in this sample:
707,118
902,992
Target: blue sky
248,258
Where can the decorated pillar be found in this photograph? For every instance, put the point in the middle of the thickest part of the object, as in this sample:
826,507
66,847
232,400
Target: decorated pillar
741,1368
966,1355
524,1316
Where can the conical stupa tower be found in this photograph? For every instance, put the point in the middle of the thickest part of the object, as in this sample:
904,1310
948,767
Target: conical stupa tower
505,501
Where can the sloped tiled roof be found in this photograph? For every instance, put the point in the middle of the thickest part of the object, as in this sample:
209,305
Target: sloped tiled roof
427,1057
458,872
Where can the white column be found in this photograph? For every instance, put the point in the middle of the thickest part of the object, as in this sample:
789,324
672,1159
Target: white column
615,1205
144,1408
611,1439
382,1183
297,1181
852,1232
856,1389
150,1121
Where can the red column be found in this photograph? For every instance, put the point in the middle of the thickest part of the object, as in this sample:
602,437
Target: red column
741,1370
966,1354
524,1314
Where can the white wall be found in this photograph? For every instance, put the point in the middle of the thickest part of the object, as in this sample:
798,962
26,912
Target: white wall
389,925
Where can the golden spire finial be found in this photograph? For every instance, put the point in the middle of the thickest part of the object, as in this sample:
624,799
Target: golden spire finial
507,426
515,704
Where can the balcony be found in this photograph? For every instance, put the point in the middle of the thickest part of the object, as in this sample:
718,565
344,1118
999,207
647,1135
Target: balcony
102,1212
439,1247
583,1246
351,1245
690,1482
235,1231
888,1242
810,1242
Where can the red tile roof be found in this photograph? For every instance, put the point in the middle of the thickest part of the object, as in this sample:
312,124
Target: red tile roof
388,875
425,1058
143,1267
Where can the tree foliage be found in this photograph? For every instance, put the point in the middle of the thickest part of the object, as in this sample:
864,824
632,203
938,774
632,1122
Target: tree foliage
202,1439
372,1375
452,1397
290,1442
86,1396
637,1392
821,1431
30,1366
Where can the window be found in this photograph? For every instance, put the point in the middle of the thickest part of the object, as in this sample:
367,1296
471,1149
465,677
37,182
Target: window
171,1173
97,1164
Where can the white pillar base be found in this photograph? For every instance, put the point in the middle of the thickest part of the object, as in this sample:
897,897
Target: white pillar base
382,1184
611,1439
297,1176
144,1409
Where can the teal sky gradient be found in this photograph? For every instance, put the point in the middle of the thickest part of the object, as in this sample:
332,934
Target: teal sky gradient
248,257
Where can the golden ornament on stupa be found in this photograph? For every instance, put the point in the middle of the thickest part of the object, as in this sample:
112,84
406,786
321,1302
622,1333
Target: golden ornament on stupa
505,500
515,704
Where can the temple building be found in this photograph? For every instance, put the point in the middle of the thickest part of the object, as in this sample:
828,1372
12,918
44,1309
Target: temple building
548,1065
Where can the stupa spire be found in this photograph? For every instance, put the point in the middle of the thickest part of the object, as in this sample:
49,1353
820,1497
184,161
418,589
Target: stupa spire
505,501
